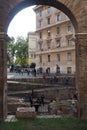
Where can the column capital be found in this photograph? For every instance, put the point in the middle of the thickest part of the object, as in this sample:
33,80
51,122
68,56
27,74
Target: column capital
81,35
4,36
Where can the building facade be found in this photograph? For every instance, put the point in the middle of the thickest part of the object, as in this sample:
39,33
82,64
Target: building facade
55,47
32,47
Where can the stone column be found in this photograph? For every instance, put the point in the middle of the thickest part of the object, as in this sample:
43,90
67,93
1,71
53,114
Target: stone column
3,76
81,68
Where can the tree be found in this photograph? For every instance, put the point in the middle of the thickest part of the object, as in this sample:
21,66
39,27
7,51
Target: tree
17,52
32,65
11,51
21,53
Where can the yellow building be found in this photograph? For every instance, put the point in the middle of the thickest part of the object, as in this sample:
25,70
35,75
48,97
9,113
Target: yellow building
32,47
55,47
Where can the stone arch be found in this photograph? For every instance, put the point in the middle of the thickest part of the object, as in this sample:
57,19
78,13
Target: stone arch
56,4
77,12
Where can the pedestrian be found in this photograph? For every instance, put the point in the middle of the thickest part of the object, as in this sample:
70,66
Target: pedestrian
28,71
42,100
26,99
22,71
34,71
31,100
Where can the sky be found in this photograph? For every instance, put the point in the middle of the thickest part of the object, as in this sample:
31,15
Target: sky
22,23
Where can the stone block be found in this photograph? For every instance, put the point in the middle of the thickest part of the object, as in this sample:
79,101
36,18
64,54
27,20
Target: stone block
25,112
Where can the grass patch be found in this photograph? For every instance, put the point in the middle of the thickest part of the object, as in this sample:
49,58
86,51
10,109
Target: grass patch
45,124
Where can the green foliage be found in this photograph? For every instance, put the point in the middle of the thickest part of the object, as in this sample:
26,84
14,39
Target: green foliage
21,51
18,51
11,51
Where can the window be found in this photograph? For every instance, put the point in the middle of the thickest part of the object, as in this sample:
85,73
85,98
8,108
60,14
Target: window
40,46
40,59
69,56
49,33
69,42
48,9
58,43
40,13
40,22
34,55
69,28
40,34
48,20
58,17
48,58
58,30
31,55
57,69
69,70
58,57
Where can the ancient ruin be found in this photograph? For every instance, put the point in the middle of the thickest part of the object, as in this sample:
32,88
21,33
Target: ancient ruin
77,12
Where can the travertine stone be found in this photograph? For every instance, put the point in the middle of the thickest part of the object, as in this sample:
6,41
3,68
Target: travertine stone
81,55
3,76
25,112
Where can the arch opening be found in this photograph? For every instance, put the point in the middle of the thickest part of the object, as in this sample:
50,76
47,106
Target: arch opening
56,7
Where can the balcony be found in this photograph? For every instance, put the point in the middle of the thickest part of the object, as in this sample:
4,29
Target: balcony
69,35
40,41
49,38
58,36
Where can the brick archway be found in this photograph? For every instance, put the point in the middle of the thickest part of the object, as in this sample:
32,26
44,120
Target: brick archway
77,12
